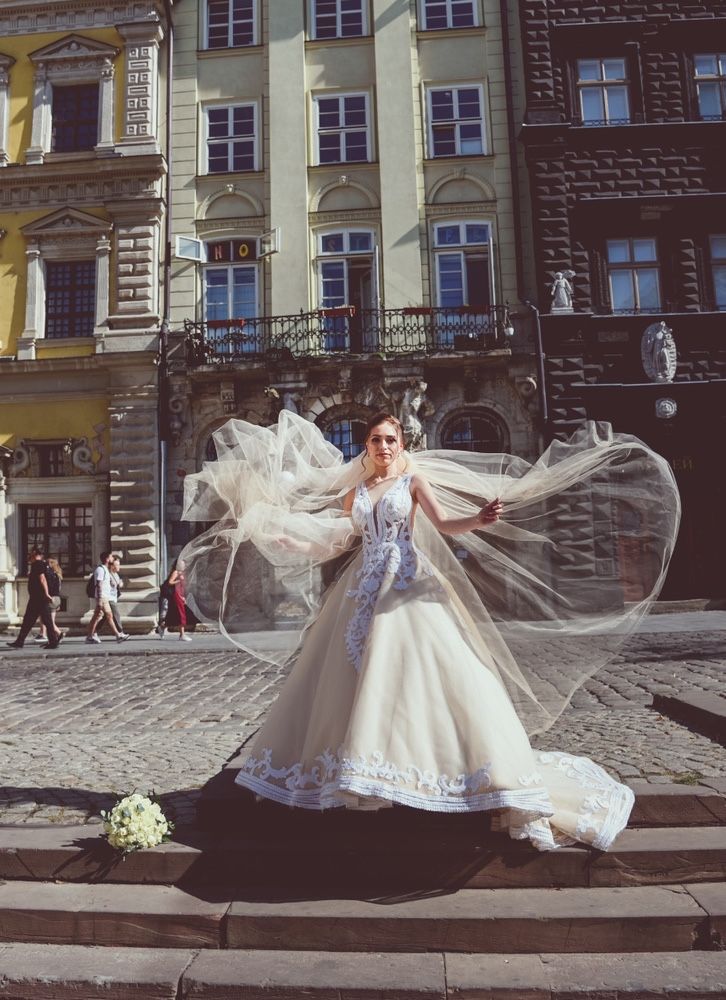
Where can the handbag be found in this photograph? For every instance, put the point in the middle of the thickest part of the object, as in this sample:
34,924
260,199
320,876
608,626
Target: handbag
55,602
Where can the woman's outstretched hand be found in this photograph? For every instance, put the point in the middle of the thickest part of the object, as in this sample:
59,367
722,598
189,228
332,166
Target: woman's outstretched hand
491,512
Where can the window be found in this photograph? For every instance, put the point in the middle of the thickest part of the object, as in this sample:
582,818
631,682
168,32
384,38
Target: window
348,436
462,261
602,85
63,532
456,121
710,71
231,138
633,275
51,459
75,118
348,283
231,297
70,298
342,129
718,269
339,18
478,430
439,14
231,23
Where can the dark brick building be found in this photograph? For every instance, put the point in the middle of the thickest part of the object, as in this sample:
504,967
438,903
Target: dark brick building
625,145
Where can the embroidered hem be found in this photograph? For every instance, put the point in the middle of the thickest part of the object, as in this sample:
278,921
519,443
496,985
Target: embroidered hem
331,796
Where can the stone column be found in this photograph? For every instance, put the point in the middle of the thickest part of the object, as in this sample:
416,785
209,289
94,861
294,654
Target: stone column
6,576
33,299
141,90
287,155
105,144
134,491
402,280
40,136
5,63
103,253
136,235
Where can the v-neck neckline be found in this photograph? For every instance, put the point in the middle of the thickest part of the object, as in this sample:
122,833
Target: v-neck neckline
396,480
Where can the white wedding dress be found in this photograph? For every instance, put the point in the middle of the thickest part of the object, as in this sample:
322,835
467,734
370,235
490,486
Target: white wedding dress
395,699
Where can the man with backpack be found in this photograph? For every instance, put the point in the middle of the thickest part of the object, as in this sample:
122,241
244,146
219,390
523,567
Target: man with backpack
102,594
39,603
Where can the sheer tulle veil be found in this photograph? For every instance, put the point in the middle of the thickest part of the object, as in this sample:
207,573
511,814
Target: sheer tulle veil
550,590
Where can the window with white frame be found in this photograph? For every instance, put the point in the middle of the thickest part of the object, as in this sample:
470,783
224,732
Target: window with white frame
230,23
456,120
231,138
348,289
602,86
436,15
339,18
348,436
74,116
231,296
633,274
710,73
342,128
67,278
718,270
476,429
462,253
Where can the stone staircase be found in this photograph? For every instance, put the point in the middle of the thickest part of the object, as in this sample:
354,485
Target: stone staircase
351,906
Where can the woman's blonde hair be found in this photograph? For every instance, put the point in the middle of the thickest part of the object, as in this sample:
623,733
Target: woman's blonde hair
56,567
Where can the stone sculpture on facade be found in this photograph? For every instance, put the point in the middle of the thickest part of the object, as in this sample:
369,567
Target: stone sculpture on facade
561,292
666,409
414,408
658,352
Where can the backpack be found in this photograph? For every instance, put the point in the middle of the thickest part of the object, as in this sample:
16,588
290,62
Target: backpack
53,580
166,591
91,585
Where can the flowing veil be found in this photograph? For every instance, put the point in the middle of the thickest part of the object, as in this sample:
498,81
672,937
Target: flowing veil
548,593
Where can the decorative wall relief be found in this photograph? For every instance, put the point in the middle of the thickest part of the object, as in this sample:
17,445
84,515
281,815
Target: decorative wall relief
658,352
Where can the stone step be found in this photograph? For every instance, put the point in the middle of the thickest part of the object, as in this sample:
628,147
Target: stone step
514,921
639,857
703,711
223,803
68,972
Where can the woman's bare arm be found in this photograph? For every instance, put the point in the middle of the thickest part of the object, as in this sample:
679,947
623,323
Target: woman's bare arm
424,496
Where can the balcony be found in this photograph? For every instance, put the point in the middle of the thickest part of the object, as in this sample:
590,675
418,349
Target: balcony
346,331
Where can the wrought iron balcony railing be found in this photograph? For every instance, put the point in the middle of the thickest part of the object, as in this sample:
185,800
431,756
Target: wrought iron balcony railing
348,331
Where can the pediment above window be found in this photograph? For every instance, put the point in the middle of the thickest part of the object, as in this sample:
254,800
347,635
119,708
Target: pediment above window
67,222
74,49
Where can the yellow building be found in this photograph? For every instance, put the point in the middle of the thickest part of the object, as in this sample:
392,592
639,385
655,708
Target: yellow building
82,188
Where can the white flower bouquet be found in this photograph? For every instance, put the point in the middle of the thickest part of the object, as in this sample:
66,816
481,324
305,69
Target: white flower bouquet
136,821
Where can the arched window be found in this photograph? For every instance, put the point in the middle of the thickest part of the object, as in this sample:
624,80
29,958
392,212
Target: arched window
347,435
474,430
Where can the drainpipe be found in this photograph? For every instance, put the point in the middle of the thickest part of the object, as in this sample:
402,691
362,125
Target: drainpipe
163,374
517,220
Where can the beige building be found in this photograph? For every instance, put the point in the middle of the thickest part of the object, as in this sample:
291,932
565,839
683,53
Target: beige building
343,225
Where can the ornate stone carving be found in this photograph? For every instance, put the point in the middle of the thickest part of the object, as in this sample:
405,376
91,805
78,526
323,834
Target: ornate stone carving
561,292
82,456
176,419
658,352
21,458
228,397
292,401
666,409
375,396
415,407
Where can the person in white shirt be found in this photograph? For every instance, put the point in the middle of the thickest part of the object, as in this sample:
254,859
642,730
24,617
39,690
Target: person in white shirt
103,612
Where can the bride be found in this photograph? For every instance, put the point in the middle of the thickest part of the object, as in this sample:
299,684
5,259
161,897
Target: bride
453,630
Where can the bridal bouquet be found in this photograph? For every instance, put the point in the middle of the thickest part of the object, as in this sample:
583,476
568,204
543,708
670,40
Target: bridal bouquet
136,821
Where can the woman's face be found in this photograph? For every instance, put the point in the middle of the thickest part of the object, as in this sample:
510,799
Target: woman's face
383,444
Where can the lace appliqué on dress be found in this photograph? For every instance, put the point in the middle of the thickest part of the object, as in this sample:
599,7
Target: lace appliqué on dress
388,550
605,811
332,776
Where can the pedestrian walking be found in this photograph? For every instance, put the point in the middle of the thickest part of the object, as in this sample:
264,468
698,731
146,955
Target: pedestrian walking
177,611
102,595
115,587
54,577
39,603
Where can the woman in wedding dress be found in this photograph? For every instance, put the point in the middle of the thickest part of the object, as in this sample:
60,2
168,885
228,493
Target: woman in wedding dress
404,688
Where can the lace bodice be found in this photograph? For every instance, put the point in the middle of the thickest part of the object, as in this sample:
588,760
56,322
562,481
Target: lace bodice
386,528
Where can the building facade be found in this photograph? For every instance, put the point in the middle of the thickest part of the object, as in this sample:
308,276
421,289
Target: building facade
343,212
624,133
81,219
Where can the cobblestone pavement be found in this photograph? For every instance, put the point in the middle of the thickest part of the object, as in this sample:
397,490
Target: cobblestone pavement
77,730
